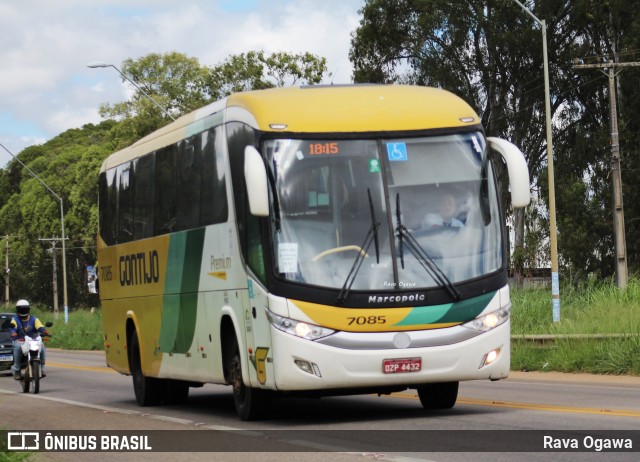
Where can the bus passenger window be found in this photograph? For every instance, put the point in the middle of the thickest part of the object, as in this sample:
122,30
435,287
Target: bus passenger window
143,184
125,202
189,170
165,191
213,190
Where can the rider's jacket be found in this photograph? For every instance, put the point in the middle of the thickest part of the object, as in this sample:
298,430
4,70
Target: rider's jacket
19,328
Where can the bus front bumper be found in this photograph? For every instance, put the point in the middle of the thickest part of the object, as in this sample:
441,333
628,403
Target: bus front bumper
301,364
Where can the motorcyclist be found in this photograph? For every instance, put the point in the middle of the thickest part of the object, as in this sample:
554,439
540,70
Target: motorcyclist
24,324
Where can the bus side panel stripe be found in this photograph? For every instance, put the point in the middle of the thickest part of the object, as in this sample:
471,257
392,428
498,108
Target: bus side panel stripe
190,285
172,285
469,309
170,321
179,312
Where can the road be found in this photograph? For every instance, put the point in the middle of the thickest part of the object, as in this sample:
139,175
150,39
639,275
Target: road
81,393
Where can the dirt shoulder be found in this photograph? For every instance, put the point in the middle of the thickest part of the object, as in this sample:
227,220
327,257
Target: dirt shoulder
612,380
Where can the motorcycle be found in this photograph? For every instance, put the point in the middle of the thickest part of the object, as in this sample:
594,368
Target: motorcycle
31,370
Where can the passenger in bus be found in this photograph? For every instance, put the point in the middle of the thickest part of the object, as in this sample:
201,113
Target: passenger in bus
446,216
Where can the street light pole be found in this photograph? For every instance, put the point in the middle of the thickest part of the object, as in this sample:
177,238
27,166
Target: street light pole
64,250
555,280
96,65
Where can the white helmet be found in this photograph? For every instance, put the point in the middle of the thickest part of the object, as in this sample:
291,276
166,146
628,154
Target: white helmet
23,308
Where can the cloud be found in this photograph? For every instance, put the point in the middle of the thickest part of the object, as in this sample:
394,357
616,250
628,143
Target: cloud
46,88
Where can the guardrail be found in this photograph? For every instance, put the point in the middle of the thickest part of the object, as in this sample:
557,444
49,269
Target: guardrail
551,338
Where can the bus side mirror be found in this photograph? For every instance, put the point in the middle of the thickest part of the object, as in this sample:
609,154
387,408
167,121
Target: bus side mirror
517,168
255,176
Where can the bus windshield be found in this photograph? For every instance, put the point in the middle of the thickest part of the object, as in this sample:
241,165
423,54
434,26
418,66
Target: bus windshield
384,214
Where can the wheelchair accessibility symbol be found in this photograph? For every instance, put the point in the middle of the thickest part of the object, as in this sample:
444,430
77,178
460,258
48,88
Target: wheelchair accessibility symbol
397,151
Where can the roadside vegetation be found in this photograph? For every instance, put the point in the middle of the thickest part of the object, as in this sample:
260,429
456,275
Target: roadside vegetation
599,330
82,332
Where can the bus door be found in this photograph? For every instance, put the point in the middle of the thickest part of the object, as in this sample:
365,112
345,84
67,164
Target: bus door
258,335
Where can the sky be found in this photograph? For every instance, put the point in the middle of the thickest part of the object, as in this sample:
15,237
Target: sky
46,87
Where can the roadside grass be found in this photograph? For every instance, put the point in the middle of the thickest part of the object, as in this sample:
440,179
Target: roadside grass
589,311
82,332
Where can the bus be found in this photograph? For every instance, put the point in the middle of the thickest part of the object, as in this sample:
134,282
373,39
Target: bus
310,241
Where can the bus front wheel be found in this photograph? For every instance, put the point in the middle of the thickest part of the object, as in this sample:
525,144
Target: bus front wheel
251,403
438,395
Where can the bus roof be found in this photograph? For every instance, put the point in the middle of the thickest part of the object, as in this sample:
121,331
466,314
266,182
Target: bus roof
354,108
318,109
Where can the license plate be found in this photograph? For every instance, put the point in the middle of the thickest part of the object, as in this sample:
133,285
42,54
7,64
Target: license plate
6,357
397,366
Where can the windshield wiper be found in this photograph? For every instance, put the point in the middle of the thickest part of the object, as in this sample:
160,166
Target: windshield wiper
372,236
399,221
422,256
276,202
374,226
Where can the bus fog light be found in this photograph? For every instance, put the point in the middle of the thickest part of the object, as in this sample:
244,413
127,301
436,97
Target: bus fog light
306,366
489,358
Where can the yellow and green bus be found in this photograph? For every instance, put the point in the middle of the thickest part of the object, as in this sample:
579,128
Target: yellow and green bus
309,241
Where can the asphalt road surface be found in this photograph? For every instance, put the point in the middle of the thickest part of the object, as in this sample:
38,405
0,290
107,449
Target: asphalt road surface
492,421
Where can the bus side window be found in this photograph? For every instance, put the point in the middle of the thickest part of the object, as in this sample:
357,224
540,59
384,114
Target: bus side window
109,207
165,191
249,227
125,202
144,196
188,172
213,191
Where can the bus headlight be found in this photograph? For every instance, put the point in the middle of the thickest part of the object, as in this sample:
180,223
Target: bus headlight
298,328
490,320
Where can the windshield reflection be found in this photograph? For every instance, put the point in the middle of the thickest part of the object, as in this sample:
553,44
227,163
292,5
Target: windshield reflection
332,198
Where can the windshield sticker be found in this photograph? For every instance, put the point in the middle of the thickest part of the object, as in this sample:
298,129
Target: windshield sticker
374,166
397,152
288,257
476,144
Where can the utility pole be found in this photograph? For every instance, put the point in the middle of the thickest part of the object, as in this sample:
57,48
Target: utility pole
6,272
553,229
622,277
54,242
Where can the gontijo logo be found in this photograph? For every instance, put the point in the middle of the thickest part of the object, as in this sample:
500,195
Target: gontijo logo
139,268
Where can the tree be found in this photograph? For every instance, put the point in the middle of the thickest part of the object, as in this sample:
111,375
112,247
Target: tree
180,84
70,163
490,53
255,71
174,80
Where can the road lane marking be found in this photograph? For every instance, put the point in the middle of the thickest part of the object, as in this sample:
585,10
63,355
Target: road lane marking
246,432
469,401
536,407
81,368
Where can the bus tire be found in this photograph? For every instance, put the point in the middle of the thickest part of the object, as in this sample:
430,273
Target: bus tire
35,370
251,403
438,395
25,382
148,390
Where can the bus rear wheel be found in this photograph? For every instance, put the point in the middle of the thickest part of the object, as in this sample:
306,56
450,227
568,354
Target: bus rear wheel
148,390
251,403
438,395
